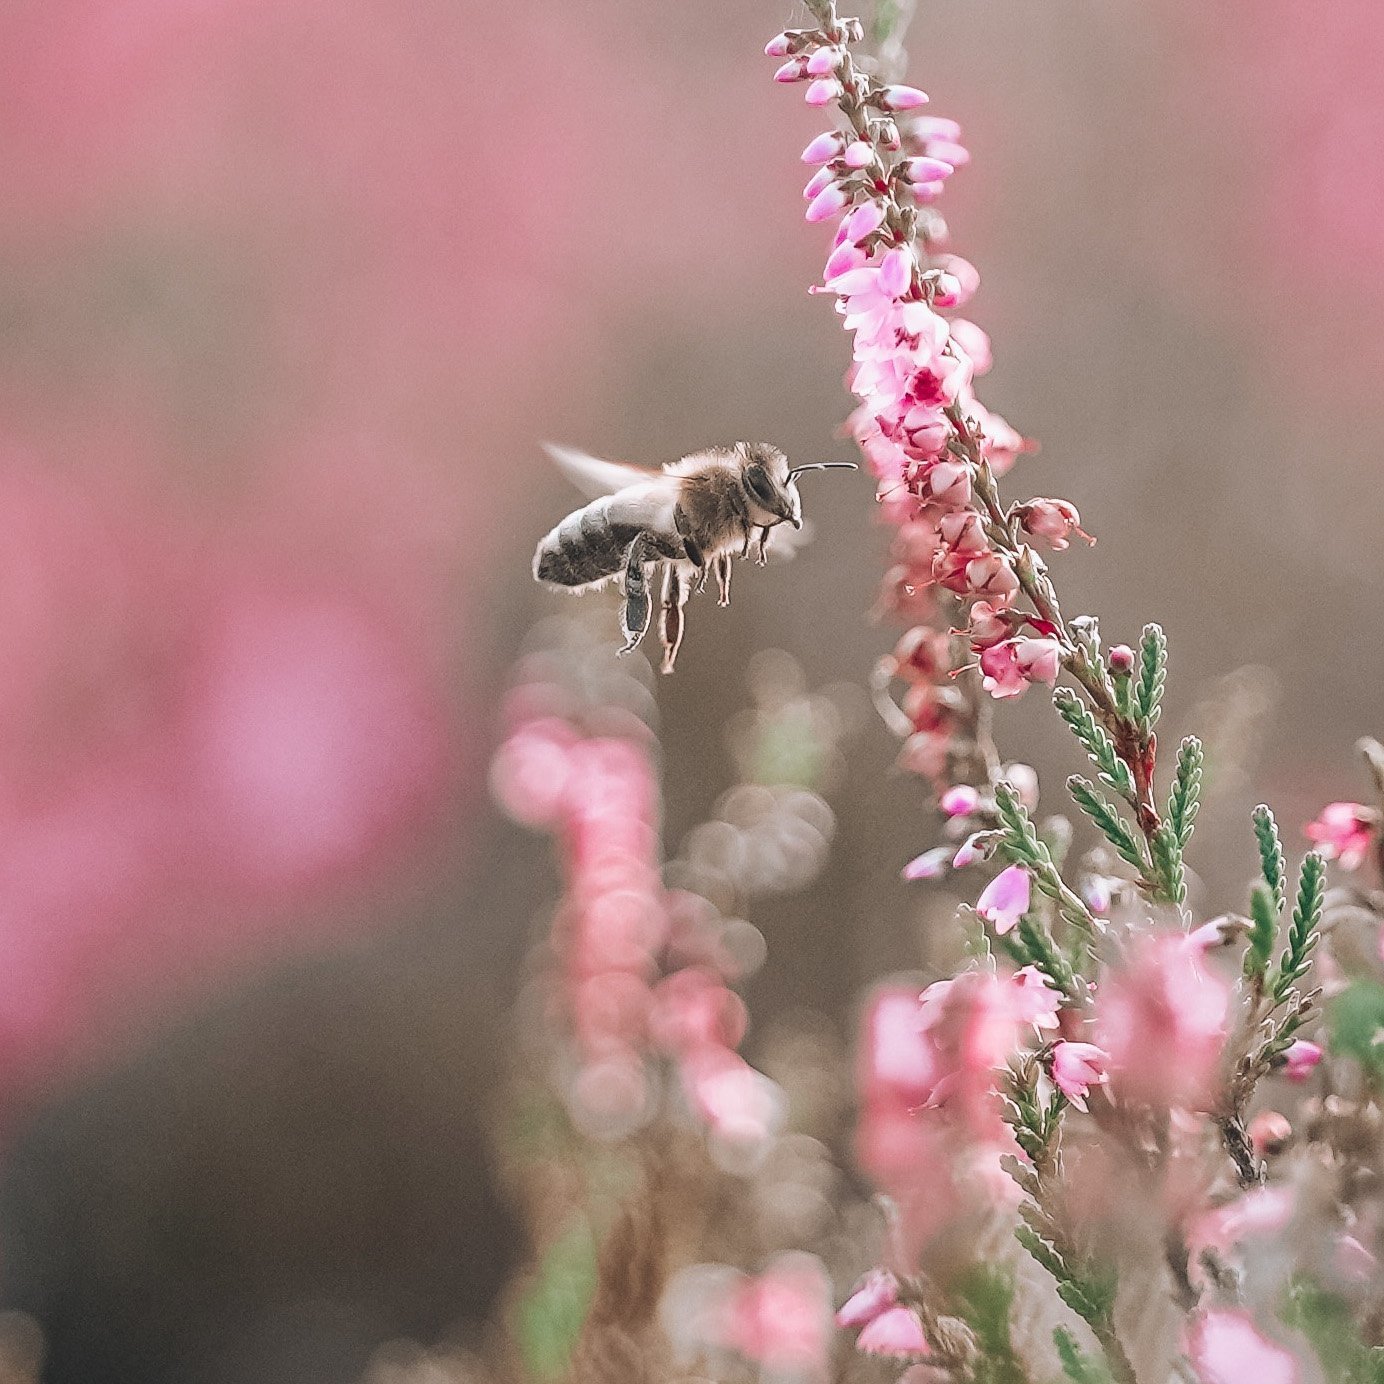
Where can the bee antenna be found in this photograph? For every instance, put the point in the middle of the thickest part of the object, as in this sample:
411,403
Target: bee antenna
822,466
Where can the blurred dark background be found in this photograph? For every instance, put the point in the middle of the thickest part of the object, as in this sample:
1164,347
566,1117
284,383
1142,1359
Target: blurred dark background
290,292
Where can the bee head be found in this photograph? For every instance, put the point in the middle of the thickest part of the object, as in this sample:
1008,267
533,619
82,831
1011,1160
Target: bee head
771,484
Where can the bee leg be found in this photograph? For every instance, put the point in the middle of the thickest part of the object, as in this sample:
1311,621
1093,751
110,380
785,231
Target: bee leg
723,579
761,552
634,617
677,586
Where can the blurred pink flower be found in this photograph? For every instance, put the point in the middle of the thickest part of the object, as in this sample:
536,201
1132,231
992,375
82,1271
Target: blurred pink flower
1076,1067
1344,832
876,1292
781,1319
895,1332
1300,1059
1162,1020
1226,1347
1005,899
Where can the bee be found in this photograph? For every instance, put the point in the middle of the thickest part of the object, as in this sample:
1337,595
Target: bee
678,525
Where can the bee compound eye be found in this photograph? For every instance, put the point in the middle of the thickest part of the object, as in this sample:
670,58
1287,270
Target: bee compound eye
761,487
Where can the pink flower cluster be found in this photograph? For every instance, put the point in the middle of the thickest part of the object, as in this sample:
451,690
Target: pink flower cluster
926,436
1345,832
643,975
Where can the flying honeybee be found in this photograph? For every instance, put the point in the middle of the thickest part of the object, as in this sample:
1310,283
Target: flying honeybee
689,520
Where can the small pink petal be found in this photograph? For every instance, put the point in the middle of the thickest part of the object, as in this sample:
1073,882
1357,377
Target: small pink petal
877,1291
896,272
822,92
858,154
930,865
824,62
896,1332
824,148
902,98
865,220
960,800
1005,899
827,202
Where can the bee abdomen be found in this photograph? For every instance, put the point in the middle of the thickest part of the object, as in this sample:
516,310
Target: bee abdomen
586,547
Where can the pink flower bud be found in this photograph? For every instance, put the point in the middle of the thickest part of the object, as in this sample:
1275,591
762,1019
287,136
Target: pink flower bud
977,846
827,202
1005,899
780,46
1226,1347
842,260
1039,660
1076,1067
1023,779
1121,659
1344,832
960,800
823,177
925,192
822,92
896,1332
865,220
876,1292
886,134
932,127
794,70
989,625
896,272
1054,521
1300,1059
824,62
945,482
824,148
1269,1133
926,170
955,154
930,865
858,154
901,98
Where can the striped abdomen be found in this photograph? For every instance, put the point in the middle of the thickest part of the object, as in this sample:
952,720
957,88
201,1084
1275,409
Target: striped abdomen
593,543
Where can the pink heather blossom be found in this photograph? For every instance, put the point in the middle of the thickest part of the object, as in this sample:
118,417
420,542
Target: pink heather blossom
1034,1000
895,1332
959,801
1008,668
822,178
794,70
875,1293
901,98
822,92
826,203
930,127
824,148
843,259
1120,658
1096,891
1076,1067
977,846
824,62
1023,779
1055,521
926,170
1226,1347
1344,832
781,1319
898,1060
1259,1212
781,45
864,221
1162,1020
930,865
859,154
1300,1058
1268,1132
1005,899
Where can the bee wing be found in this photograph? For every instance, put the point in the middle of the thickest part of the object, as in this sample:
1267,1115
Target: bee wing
647,506
592,476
